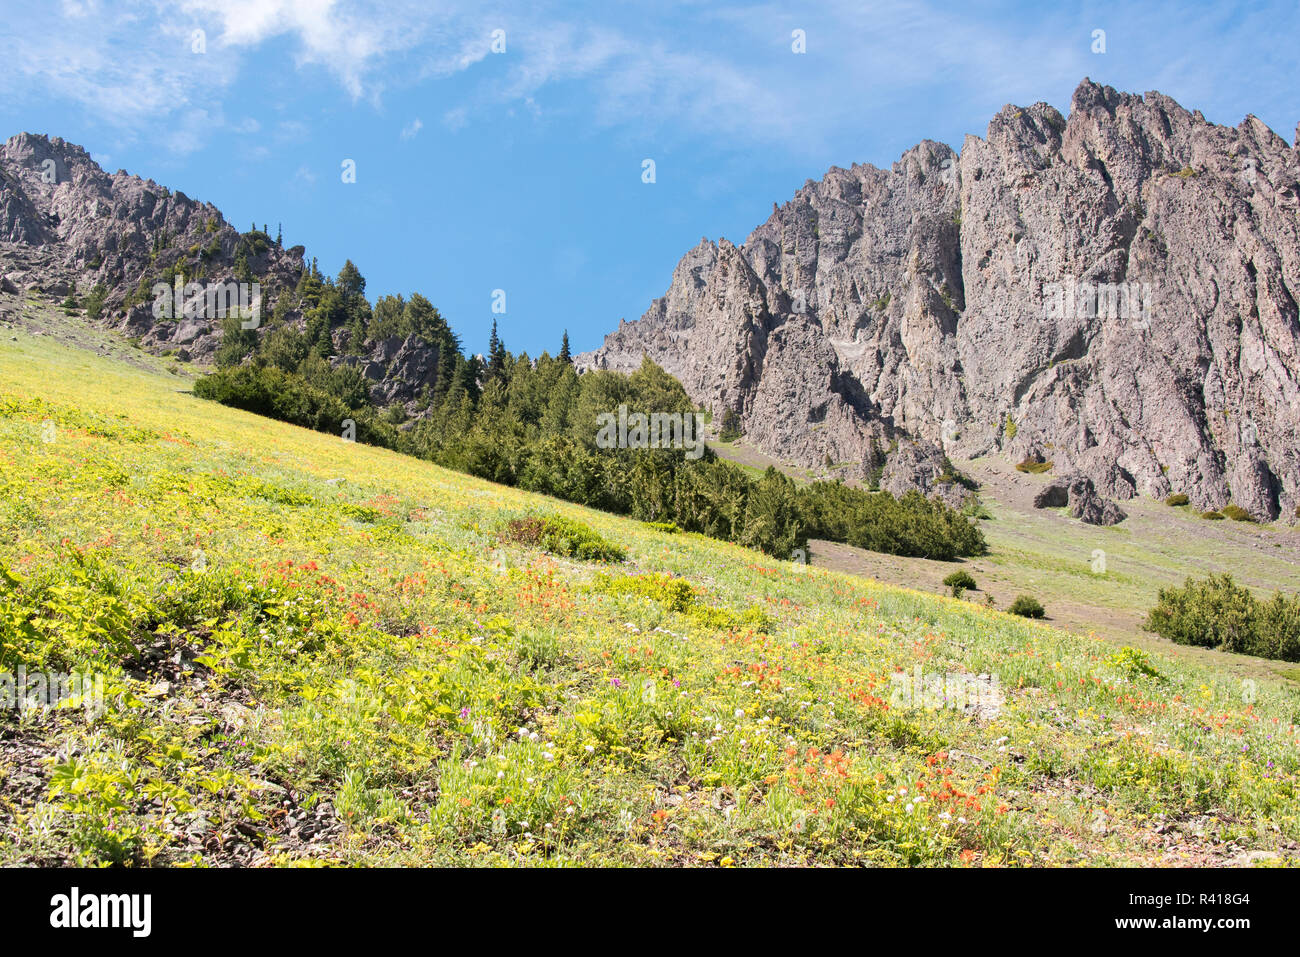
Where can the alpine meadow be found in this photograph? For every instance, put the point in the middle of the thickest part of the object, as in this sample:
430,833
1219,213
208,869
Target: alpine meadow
623,441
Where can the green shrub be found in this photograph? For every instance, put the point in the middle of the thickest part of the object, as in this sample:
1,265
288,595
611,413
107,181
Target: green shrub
95,301
562,536
1177,498
730,428
1215,613
1213,516
270,391
1036,468
912,525
1237,513
1027,606
669,527
1277,628
724,619
960,581
1218,613
1133,663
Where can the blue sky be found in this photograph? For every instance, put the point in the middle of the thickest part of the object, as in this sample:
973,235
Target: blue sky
522,170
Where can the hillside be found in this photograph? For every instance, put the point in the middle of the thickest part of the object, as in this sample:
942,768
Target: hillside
1114,291
1092,580
319,651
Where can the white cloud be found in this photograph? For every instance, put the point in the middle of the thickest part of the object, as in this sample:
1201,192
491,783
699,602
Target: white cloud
689,69
412,128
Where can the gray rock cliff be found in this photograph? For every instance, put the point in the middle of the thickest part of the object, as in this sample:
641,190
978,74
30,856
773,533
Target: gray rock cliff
1116,292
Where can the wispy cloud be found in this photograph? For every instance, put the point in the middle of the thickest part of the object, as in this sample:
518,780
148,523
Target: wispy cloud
723,70
412,128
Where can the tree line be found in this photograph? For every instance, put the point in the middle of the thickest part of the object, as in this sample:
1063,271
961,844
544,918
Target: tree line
532,423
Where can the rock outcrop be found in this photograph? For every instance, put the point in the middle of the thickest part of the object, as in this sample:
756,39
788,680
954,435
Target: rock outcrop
1116,291
1080,495
68,226
399,368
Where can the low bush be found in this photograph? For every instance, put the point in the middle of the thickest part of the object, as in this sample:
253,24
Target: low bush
1219,613
960,581
677,594
1237,513
1177,498
1033,467
1133,663
912,525
270,391
1213,516
1026,606
562,536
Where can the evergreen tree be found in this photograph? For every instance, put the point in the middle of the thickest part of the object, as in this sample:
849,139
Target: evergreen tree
464,381
242,271
236,343
496,354
350,281
565,355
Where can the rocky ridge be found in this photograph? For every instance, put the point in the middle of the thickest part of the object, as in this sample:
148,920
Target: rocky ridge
1115,292
66,225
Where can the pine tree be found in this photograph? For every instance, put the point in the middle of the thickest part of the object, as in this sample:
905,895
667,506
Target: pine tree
236,343
496,354
279,234
241,269
565,355
464,381
351,282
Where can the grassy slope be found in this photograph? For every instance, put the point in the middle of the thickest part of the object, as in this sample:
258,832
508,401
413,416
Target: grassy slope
404,688
1092,580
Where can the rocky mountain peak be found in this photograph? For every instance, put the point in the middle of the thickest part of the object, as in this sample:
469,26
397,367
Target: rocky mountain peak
1114,291
66,225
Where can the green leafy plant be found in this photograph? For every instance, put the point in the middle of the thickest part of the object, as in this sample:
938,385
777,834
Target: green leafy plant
678,595
1133,663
